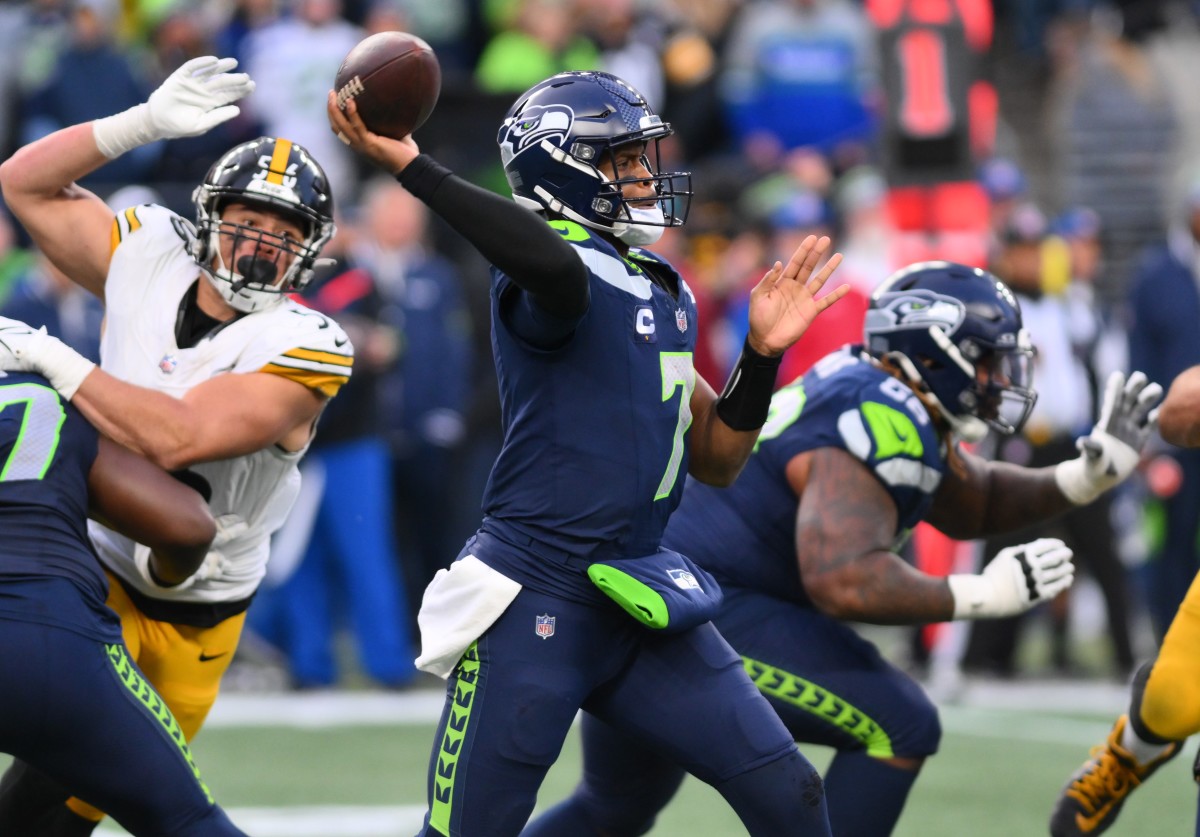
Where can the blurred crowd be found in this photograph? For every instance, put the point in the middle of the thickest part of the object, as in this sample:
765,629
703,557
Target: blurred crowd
1055,142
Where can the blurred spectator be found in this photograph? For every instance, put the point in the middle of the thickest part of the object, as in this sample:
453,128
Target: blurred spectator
801,72
243,19
1164,307
1117,128
1006,188
1067,331
15,260
543,40
293,62
424,392
939,122
45,296
443,25
860,203
789,222
93,77
180,36
630,40
348,572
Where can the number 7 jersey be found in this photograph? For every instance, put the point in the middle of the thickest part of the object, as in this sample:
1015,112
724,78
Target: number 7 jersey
148,277
595,431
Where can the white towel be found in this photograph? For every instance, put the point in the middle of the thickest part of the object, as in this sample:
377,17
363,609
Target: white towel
457,607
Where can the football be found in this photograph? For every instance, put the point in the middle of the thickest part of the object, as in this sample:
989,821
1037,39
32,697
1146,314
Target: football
394,79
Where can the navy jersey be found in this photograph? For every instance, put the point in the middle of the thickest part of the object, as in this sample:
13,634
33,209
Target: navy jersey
746,534
46,449
595,431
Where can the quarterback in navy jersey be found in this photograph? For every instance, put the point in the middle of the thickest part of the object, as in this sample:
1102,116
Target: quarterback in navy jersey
565,597
852,456
84,714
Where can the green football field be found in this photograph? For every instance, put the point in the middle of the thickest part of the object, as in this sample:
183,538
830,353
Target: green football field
353,765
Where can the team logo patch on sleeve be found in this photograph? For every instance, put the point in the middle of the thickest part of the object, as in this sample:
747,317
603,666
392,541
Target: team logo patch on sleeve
543,625
684,580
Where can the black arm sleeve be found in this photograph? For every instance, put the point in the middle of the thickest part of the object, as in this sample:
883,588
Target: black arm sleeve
518,242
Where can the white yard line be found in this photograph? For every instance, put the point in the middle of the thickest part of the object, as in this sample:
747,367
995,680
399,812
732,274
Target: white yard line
321,821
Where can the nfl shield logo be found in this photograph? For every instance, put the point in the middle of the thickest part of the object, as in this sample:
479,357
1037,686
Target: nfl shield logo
544,626
167,364
681,319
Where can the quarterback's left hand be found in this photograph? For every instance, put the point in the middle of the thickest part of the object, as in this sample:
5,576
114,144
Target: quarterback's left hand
784,303
1111,451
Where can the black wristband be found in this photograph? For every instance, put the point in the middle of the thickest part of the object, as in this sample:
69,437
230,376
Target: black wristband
747,397
423,176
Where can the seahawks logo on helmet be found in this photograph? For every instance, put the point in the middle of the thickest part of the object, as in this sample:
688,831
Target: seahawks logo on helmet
533,125
905,311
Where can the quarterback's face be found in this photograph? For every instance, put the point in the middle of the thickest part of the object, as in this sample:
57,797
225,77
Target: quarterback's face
629,163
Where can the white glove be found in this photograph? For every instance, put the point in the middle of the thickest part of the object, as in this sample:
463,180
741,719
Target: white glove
229,527
1111,451
193,100
26,349
1014,581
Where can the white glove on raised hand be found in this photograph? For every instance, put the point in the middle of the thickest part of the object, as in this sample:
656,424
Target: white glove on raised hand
193,100
1014,581
26,349
1111,451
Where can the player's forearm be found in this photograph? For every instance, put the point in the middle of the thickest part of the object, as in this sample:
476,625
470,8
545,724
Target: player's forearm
995,497
877,588
151,423
717,452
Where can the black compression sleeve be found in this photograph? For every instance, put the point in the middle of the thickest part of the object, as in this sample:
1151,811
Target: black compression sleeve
518,242
747,397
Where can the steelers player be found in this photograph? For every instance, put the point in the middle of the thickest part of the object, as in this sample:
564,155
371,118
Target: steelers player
206,364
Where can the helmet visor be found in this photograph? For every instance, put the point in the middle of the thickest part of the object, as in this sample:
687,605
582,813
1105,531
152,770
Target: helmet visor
1006,393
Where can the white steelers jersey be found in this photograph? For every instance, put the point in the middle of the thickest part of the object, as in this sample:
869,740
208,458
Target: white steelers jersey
149,274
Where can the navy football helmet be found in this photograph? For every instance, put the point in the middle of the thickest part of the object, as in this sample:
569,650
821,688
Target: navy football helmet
280,176
956,334
557,132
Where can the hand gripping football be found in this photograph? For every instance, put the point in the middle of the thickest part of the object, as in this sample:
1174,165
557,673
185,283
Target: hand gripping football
394,79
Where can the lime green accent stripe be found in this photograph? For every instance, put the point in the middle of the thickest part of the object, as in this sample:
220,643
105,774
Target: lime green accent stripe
452,740
141,689
787,687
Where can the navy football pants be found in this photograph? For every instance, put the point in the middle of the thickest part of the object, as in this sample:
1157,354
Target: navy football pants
827,684
515,694
79,711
